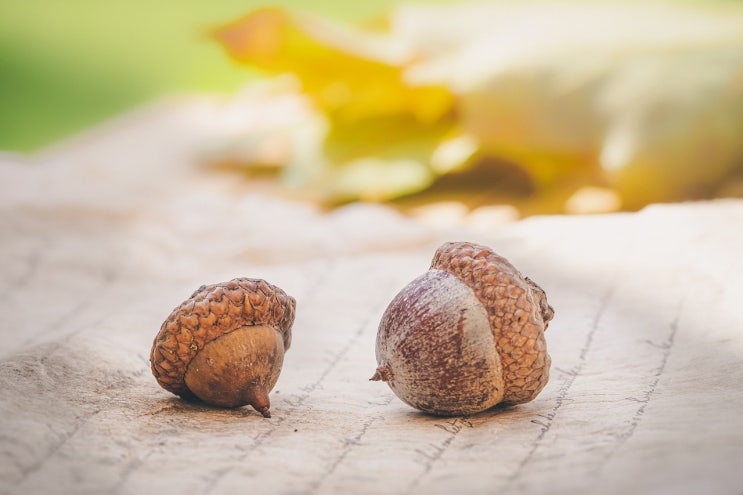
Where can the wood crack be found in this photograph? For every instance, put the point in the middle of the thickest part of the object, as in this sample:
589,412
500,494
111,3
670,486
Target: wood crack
644,399
546,420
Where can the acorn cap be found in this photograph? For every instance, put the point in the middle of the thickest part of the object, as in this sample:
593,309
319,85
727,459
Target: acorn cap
517,311
213,311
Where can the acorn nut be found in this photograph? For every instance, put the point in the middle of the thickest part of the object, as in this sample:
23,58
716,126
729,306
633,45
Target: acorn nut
466,335
225,344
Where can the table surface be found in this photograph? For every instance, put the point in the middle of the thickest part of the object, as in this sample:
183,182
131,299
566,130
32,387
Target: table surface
104,235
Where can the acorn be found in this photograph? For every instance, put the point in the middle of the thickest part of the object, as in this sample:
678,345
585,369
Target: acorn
225,344
466,335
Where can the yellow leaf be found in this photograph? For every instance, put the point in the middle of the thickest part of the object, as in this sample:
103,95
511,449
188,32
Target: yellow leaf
375,159
350,74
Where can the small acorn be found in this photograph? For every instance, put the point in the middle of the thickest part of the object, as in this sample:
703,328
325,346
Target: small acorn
466,335
225,344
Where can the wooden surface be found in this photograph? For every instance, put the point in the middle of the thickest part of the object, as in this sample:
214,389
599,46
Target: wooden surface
104,236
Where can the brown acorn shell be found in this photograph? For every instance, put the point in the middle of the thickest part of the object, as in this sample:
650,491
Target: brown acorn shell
517,309
213,311
435,349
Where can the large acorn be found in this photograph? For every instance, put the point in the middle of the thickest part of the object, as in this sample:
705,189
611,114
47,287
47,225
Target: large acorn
466,335
225,344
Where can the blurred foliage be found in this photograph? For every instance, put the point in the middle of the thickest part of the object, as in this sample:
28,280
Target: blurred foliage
66,65
623,103
626,103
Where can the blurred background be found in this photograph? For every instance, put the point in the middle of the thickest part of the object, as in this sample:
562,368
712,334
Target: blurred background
542,106
67,65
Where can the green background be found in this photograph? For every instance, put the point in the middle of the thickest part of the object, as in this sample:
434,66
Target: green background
65,65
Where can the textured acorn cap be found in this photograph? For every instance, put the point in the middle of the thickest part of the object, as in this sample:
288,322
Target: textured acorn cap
213,311
517,311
